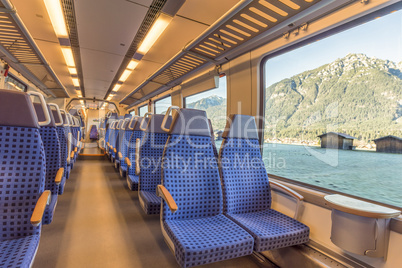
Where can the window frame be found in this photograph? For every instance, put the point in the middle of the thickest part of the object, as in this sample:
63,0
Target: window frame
161,98
261,80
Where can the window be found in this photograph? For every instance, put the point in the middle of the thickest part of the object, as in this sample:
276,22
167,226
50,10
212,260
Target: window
11,82
161,106
343,92
132,112
214,103
143,110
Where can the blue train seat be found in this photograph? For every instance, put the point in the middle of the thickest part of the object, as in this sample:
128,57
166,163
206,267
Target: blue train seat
152,146
115,141
54,172
112,138
67,135
119,142
246,189
193,223
138,133
128,131
108,123
23,170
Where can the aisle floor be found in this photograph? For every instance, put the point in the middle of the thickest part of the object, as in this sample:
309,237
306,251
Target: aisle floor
99,223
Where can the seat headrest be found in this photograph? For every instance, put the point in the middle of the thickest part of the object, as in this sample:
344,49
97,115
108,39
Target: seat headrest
241,127
190,122
113,116
55,116
41,115
126,123
134,122
16,109
140,121
120,123
128,115
63,115
155,123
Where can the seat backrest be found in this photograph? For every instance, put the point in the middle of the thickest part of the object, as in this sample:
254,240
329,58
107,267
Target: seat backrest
22,169
137,134
122,130
125,143
62,134
117,134
51,143
189,169
244,177
152,146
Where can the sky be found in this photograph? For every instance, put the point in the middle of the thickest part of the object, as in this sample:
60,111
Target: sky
381,38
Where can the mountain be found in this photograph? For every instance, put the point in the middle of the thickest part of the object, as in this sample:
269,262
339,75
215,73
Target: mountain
215,107
357,95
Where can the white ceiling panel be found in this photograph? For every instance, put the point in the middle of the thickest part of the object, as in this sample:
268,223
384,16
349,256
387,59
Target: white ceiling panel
206,11
108,26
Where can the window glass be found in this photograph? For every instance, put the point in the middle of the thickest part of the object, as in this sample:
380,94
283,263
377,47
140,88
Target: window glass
214,103
342,92
143,110
11,82
161,106
132,112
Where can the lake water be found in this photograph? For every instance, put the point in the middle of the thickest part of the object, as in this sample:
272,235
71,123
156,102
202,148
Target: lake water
371,175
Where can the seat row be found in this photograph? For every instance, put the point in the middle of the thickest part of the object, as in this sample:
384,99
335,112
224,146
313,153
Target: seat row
214,207
37,152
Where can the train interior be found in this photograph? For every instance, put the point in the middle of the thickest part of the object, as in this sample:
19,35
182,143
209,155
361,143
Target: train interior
184,133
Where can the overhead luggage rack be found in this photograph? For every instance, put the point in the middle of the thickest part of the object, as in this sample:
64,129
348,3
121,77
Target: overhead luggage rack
247,20
22,53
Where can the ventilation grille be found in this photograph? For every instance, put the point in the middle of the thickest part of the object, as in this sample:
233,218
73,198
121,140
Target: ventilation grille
26,55
251,21
69,15
254,19
146,24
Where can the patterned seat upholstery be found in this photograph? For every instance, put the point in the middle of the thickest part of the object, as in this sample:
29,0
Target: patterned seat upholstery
119,140
125,144
61,133
66,130
51,143
108,124
132,178
197,232
152,146
22,169
246,189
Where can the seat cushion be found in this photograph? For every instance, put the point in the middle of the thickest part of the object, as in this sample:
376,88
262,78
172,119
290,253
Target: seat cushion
206,240
18,252
152,202
132,182
272,229
48,216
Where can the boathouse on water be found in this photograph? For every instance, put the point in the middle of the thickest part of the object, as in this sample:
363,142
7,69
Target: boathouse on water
335,140
389,144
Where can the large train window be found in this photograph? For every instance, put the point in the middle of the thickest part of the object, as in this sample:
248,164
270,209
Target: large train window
214,103
161,105
333,111
13,83
143,110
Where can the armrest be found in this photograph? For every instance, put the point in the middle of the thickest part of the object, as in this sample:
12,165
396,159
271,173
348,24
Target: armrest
40,207
107,143
128,162
59,176
72,155
137,156
162,192
114,150
75,149
120,155
286,190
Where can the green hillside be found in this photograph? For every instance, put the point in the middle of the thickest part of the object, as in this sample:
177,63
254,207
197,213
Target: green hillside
357,95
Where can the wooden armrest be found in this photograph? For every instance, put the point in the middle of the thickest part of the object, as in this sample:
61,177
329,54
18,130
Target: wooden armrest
59,176
75,149
286,190
72,155
128,162
120,155
137,156
114,150
107,143
111,147
40,207
162,192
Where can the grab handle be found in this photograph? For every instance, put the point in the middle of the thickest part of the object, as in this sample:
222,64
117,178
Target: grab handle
58,113
165,118
143,121
44,108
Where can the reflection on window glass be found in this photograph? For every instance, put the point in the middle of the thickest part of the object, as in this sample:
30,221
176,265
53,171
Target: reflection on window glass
13,83
162,105
143,110
214,103
333,112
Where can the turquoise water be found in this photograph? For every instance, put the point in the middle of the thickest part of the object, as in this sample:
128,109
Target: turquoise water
371,175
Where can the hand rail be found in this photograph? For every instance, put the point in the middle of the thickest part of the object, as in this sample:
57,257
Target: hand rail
165,118
58,113
143,121
44,107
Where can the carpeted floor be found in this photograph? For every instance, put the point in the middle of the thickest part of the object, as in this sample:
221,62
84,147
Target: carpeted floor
99,223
